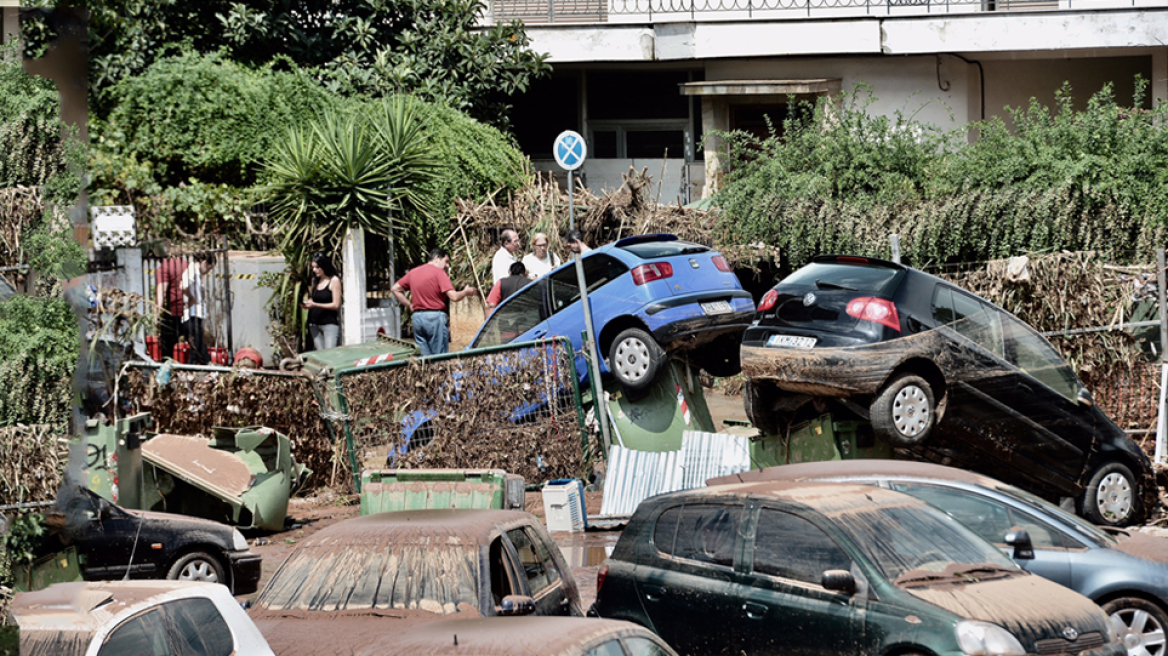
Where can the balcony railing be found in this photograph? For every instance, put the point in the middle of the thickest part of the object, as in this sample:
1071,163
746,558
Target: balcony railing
628,11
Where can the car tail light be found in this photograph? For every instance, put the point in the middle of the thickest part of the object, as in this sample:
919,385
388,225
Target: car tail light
652,271
878,310
600,574
720,262
768,301
852,258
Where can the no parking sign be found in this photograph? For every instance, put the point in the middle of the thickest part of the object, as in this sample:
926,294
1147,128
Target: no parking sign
570,150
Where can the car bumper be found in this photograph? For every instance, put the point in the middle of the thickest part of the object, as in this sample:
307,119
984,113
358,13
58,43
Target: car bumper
682,323
245,571
837,372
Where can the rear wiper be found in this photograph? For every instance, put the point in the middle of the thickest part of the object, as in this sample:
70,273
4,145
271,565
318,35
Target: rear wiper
831,285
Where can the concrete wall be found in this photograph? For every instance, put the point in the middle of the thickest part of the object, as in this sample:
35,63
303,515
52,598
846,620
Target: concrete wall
670,181
1014,82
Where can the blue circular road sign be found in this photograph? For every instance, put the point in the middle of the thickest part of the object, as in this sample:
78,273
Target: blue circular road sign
570,150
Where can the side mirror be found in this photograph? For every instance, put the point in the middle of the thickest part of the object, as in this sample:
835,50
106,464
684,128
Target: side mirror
105,509
245,604
839,580
516,605
1020,540
1084,397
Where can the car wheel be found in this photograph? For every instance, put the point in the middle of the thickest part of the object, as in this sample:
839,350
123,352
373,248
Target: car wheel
757,399
903,413
197,566
635,358
1112,497
1141,625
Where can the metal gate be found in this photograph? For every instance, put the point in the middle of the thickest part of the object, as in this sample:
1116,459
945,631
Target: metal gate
217,299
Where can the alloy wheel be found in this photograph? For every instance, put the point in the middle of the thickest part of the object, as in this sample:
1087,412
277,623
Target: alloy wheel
1139,632
199,570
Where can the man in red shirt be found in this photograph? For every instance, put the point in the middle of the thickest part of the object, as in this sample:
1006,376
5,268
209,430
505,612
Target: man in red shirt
430,295
168,297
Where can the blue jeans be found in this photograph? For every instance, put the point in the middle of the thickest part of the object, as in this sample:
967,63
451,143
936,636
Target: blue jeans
431,332
324,336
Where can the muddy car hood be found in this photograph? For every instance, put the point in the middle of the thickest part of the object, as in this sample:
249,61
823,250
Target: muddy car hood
1029,606
325,633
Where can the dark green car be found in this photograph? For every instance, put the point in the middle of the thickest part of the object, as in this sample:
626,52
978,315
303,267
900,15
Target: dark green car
815,568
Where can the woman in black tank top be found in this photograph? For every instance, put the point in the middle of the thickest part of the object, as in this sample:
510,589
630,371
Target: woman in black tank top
324,304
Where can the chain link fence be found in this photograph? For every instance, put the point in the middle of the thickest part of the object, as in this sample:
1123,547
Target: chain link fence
515,407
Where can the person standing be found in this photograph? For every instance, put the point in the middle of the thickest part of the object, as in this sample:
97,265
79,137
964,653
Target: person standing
539,262
431,293
507,286
324,304
195,310
168,300
575,241
509,245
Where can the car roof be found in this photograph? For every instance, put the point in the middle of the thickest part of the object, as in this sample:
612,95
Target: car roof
87,606
473,524
824,497
504,636
809,471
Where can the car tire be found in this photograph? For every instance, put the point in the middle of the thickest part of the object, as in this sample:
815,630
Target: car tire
197,566
1112,496
757,400
1141,625
903,413
635,358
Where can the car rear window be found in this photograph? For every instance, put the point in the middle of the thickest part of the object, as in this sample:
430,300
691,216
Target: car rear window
872,279
651,250
328,577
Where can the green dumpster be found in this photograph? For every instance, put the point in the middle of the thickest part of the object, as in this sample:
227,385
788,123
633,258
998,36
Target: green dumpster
818,440
418,489
656,418
343,358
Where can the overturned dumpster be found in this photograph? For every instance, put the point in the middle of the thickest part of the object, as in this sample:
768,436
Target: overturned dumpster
240,476
423,489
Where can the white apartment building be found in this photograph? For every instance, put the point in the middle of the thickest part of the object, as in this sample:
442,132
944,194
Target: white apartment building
645,81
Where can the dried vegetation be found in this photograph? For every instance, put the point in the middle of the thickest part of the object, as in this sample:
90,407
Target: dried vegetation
31,463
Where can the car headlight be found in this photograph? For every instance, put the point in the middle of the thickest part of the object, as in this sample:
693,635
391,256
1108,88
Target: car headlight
238,542
985,639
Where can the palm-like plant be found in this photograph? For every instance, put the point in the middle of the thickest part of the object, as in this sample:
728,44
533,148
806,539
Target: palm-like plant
348,170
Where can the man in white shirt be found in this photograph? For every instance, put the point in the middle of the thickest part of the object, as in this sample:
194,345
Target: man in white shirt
505,256
539,262
194,310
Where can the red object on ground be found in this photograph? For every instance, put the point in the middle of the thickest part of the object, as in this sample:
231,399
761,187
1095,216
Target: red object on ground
182,352
153,348
251,354
218,354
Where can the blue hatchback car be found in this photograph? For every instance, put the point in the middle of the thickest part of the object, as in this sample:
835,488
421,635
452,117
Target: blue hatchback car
649,294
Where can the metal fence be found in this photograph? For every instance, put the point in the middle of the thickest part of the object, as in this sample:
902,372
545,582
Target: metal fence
515,407
570,11
216,285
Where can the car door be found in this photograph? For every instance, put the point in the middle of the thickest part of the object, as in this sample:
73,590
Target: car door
567,312
992,519
108,544
784,608
685,578
544,582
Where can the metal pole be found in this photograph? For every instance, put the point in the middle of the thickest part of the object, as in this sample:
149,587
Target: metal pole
895,240
1161,438
593,360
228,301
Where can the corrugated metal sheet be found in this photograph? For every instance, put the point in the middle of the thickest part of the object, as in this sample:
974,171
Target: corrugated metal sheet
634,476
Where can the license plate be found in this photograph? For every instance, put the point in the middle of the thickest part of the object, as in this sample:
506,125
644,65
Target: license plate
717,307
791,341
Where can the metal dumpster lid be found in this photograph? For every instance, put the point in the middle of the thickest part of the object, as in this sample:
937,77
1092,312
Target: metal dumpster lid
352,356
192,459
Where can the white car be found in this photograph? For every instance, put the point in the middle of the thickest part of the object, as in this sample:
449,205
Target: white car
118,618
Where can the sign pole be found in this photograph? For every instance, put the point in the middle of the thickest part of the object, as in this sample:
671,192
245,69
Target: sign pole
570,150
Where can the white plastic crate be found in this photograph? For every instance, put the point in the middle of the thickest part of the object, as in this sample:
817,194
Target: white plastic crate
563,505
113,226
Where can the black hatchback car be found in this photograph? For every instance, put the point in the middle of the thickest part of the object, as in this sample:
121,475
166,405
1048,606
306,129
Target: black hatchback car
942,373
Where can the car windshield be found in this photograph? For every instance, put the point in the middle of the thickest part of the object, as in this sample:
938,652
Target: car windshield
919,538
651,250
329,577
1082,526
872,279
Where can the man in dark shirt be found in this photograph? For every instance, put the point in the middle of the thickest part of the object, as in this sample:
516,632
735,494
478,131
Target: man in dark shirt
508,286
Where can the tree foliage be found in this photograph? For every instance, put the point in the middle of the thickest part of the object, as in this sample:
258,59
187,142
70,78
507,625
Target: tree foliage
30,125
836,179
431,48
